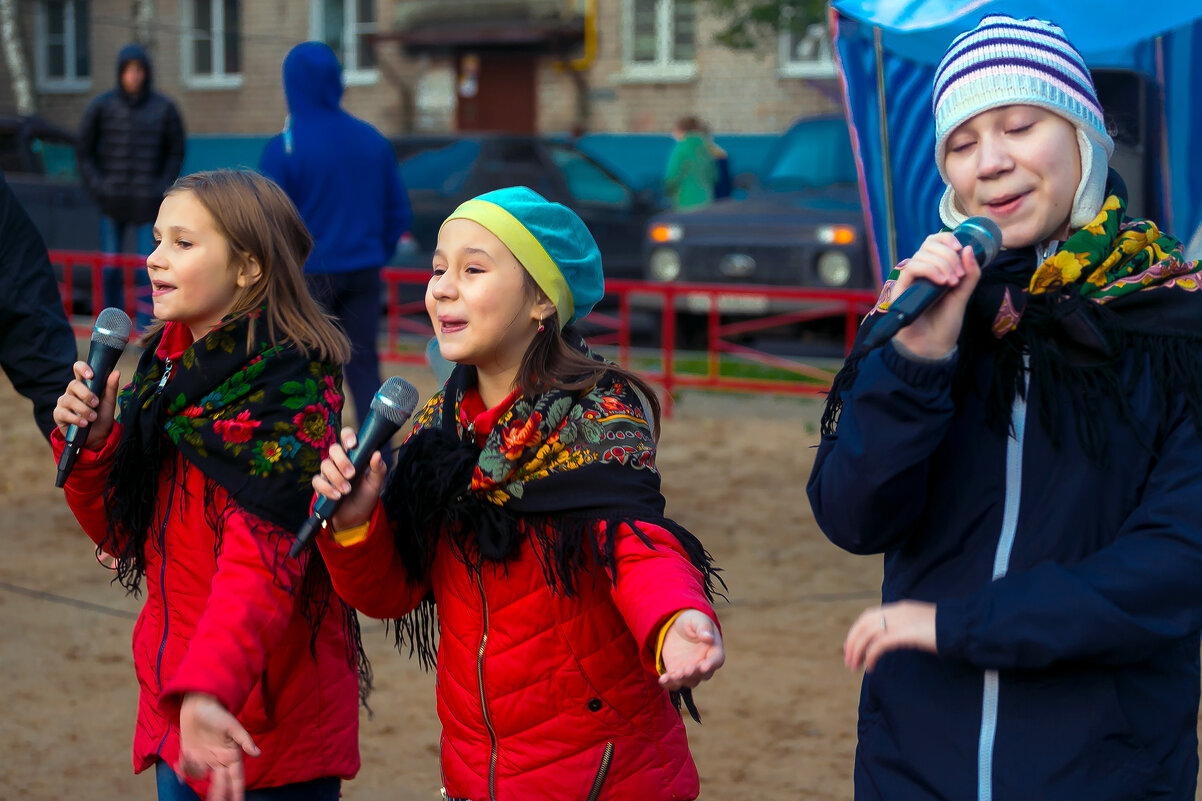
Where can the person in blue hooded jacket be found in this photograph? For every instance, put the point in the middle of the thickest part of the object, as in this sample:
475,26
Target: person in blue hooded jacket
343,176
1027,455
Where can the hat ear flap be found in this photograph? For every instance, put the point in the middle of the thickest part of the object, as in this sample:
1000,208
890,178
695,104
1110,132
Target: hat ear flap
949,209
1091,192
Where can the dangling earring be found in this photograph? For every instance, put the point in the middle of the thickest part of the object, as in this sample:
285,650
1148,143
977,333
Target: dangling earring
540,326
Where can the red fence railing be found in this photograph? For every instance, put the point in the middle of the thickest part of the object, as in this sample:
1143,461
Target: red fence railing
730,317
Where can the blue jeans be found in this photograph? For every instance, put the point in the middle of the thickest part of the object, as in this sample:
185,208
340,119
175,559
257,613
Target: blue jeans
114,238
172,789
355,298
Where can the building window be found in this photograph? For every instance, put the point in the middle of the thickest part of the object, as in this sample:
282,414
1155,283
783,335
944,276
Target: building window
61,46
659,40
808,54
211,46
347,26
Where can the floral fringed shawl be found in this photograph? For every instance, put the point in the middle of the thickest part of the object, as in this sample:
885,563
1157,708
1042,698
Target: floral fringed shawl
555,469
255,425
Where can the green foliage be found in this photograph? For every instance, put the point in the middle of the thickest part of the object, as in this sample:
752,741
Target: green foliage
748,24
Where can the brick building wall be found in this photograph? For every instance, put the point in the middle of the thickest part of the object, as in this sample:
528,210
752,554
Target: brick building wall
735,92
732,91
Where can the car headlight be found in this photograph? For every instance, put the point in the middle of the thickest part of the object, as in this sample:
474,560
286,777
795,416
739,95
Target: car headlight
664,232
664,264
836,234
834,268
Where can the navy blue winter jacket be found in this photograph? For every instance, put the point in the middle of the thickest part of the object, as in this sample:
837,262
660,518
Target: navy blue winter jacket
341,172
131,147
1068,595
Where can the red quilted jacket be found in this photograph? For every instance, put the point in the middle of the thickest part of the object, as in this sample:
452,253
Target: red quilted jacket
225,625
542,696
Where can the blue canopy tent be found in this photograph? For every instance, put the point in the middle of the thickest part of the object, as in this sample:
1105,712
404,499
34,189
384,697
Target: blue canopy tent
1145,64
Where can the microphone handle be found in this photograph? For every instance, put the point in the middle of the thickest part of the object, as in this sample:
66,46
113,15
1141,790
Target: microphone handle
917,298
102,359
376,431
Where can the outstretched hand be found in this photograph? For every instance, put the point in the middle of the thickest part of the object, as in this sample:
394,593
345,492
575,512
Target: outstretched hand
880,629
692,650
211,743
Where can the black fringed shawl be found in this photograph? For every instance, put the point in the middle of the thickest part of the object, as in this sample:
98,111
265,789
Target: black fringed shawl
255,425
1115,304
554,468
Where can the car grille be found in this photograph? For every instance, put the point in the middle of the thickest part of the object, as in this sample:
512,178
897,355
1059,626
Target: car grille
788,266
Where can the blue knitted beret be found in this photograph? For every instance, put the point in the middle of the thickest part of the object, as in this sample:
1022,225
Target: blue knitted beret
550,241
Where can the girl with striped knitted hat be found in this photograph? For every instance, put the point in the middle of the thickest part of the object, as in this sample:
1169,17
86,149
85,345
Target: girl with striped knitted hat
1028,457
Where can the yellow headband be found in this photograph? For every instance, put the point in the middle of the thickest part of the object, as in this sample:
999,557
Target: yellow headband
525,246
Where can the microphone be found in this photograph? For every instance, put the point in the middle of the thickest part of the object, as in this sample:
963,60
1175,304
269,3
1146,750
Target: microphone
109,336
979,233
390,408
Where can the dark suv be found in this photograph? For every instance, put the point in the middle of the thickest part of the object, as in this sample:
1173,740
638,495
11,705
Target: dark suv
800,225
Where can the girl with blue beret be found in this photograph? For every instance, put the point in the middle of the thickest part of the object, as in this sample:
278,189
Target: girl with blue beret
573,616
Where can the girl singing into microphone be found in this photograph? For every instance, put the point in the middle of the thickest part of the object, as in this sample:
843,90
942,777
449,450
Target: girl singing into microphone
196,489
525,509
1028,457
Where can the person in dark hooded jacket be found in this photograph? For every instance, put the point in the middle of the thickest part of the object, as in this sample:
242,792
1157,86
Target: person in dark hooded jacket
37,345
343,176
131,148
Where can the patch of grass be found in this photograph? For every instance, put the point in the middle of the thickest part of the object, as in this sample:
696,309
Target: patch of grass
728,367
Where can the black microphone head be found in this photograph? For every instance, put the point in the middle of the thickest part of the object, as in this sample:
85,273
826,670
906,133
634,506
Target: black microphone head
395,400
112,328
984,236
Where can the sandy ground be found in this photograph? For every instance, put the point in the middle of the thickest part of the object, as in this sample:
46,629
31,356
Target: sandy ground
779,718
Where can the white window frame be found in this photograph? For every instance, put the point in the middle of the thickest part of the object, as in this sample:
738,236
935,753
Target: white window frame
352,74
68,82
218,79
664,69
788,66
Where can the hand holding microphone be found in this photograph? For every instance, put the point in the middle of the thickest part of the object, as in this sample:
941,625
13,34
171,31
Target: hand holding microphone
88,406
341,470
942,266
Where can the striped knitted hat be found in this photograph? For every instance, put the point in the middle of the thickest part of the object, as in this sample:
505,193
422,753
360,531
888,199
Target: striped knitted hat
1004,62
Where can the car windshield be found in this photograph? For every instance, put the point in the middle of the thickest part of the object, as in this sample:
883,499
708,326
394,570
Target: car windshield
587,181
811,154
443,170
58,159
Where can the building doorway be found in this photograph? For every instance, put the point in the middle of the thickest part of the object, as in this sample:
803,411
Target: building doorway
495,91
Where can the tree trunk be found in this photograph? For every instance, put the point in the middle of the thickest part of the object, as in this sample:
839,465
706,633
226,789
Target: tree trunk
14,58
143,14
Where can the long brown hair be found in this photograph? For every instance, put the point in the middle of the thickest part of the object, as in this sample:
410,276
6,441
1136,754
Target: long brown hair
260,222
550,362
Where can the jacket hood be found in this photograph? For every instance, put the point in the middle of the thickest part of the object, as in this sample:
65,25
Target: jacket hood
134,52
312,79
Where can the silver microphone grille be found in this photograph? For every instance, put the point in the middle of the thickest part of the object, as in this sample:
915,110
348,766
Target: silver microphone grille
992,241
112,328
395,400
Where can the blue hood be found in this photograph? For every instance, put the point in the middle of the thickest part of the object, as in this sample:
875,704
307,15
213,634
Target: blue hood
312,79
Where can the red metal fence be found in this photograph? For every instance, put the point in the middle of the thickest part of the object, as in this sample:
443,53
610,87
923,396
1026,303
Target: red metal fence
731,317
